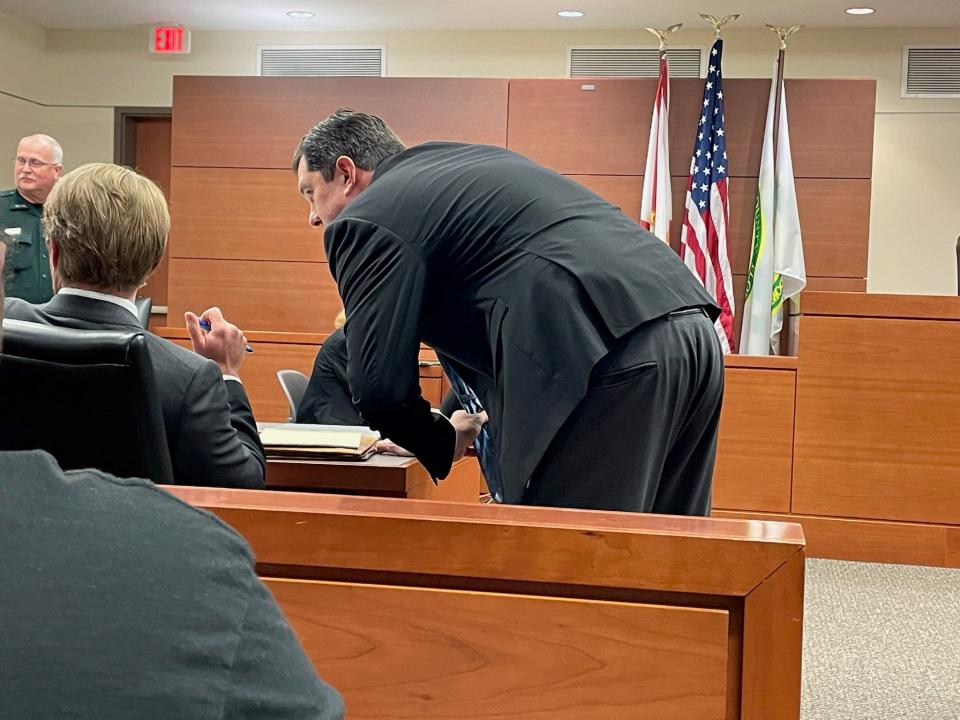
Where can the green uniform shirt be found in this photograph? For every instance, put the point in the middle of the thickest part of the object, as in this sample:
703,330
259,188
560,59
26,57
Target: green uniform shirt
27,272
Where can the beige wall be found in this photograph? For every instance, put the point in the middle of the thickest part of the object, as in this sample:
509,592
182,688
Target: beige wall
28,104
912,228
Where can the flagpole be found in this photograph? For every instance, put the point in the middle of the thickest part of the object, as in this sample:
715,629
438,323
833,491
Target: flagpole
778,99
656,211
783,33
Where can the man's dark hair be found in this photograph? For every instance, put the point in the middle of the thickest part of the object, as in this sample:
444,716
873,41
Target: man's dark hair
365,139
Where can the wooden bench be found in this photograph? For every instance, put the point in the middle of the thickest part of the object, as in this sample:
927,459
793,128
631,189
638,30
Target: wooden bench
418,609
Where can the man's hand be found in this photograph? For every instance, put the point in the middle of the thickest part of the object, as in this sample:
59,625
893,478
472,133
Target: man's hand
468,427
224,344
389,447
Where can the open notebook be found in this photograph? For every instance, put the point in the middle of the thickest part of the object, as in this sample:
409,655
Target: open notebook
318,442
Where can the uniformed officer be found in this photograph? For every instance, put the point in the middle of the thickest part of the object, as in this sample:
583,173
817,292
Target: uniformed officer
36,170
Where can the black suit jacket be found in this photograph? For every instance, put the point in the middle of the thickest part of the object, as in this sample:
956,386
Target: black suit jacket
327,400
120,601
520,277
211,432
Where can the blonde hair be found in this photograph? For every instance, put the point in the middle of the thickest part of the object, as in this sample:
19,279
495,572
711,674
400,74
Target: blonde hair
111,225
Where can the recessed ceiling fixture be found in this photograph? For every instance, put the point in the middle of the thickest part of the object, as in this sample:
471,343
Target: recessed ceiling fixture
860,11
570,13
300,14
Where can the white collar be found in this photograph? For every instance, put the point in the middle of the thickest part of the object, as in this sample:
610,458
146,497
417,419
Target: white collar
94,295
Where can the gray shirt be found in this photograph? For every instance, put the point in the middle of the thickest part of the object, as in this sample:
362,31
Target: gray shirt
119,601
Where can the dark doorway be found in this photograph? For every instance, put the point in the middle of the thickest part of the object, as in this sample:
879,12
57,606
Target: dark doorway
142,142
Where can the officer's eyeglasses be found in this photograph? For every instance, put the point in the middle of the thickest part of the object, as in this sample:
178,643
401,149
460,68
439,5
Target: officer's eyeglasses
32,162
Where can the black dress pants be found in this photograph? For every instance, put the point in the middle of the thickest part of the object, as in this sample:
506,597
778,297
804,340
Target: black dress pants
644,438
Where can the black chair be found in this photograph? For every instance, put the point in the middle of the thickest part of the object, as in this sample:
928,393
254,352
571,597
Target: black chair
144,306
87,397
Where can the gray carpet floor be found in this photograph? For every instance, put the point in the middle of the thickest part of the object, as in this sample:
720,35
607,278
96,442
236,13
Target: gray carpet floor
881,642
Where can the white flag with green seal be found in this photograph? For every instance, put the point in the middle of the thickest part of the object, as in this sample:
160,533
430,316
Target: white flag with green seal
776,272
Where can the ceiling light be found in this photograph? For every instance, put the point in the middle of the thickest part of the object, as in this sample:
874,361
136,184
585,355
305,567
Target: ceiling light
300,14
570,13
860,11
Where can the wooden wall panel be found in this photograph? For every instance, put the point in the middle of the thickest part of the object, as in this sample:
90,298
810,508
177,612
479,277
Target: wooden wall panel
745,108
831,125
829,284
226,208
834,219
624,191
256,122
256,295
835,222
755,450
455,657
241,214
602,131
878,404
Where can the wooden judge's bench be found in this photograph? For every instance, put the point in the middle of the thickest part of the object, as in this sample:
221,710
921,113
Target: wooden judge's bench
856,436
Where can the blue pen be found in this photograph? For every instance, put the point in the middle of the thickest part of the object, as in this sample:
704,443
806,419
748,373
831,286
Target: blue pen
204,325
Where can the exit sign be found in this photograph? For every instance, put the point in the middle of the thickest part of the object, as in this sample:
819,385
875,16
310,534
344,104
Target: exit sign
169,39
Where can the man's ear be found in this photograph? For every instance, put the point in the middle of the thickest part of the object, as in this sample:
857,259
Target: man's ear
348,168
355,179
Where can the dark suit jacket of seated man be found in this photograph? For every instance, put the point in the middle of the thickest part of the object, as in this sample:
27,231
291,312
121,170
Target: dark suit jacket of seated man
106,227
211,430
589,343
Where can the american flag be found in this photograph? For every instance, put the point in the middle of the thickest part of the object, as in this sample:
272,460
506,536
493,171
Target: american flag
703,239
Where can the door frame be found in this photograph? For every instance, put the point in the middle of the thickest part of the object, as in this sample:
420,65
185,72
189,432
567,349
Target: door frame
125,131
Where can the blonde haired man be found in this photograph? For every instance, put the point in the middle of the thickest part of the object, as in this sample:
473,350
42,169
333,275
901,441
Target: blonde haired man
36,169
106,231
